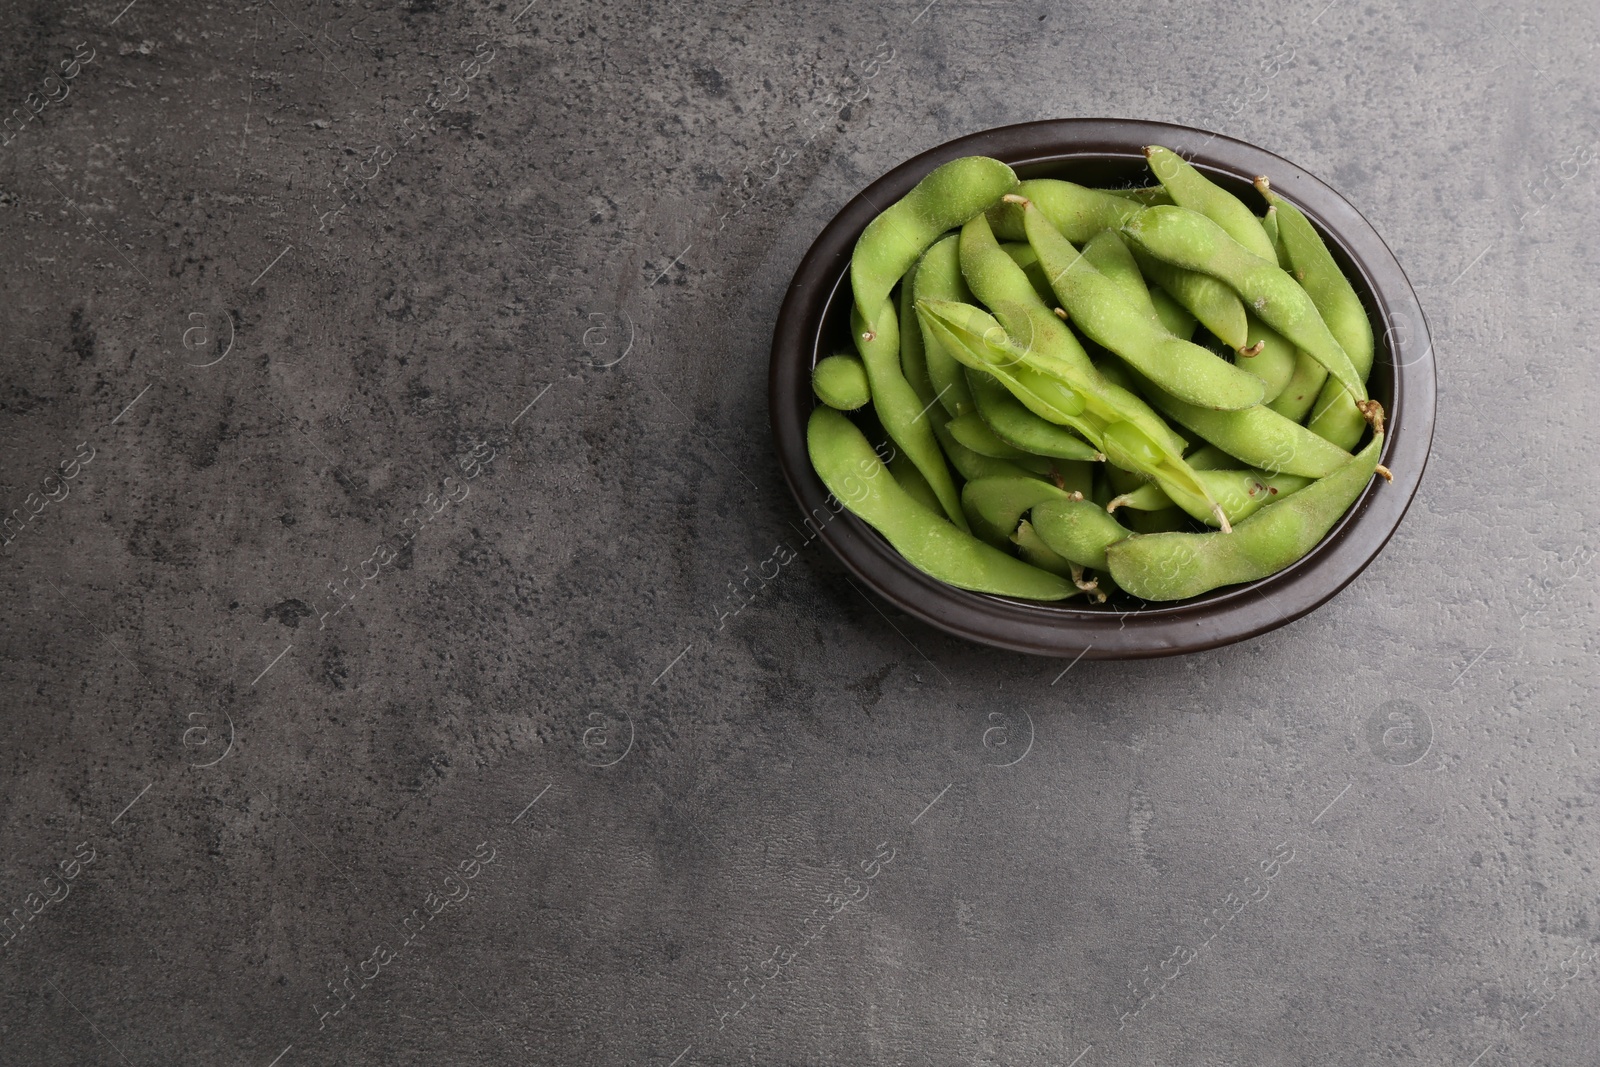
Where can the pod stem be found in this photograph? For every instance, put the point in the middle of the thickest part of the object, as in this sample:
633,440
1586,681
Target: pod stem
1255,349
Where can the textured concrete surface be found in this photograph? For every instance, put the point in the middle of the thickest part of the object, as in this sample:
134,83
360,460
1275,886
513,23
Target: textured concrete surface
387,451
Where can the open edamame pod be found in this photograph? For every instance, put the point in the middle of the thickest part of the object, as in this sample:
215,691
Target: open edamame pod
1064,397
898,408
1021,428
1172,566
852,471
950,195
938,277
1259,436
1188,239
1193,190
1106,313
1033,326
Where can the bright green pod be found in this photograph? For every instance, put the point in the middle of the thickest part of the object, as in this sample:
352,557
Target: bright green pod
938,277
1299,396
973,432
1217,307
1034,551
974,337
1188,239
1269,225
1174,566
1319,275
841,382
1105,312
911,480
913,364
1024,256
1077,211
1193,190
1269,357
950,195
1021,428
899,410
1240,493
1080,213
968,463
1259,436
852,471
1079,531
1000,503
1212,458
1336,416
1179,320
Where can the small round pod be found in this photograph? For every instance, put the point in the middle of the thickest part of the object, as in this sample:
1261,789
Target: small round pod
841,382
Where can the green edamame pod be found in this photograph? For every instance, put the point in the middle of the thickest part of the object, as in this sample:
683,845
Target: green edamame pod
1178,320
1034,551
1218,308
1174,566
1269,224
898,408
1270,357
841,382
1001,502
1106,253
950,195
911,480
1021,428
972,431
938,277
913,364
1078,212
852,471
1064,397
1079,531
1240,493
968,463
1188,239
1299,396
1193,190
1330,291
1106,313
1033,326
1025,257
1337,416
1259,436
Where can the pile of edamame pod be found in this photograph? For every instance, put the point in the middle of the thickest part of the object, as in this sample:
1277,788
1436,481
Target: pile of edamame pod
1151,389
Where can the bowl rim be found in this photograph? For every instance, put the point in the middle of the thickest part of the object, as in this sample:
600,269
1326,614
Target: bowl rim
1233,613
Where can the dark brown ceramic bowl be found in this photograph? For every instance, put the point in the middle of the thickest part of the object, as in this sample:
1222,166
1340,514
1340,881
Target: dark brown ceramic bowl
814,323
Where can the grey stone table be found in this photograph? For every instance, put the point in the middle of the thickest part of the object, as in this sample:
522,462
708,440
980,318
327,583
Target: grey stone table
384,677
